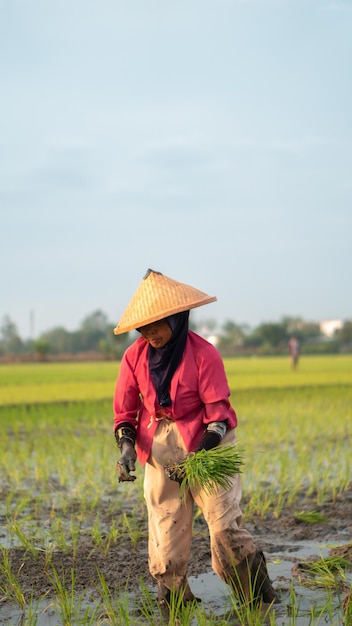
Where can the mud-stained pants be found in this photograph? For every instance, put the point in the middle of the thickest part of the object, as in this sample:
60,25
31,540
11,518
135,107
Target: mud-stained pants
170,518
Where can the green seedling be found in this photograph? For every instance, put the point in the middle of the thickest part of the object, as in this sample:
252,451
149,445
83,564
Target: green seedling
134,533
10,588
75,531
28,544
208,470
245,605
65,595
310,517
104,539
328,572
70,605
109,603
118,609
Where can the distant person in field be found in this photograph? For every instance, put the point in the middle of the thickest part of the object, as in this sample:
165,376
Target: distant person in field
172,399
293,348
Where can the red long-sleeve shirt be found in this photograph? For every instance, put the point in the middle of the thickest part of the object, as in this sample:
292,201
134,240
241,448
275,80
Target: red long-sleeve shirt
199,394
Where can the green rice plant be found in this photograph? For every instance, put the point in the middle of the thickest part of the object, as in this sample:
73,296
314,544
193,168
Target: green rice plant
32,614
97,533
48,552
10,588
318,614
70,606
58,535
134,533
333,563
110,538
66,599
328,572
347,607
282,500
104,539
207,469
16,530
117,610
327,611
75,531
244,602
86,615
65,596
253,615
292,606
110,610
180,612
310,517
176,612
147,605
15,507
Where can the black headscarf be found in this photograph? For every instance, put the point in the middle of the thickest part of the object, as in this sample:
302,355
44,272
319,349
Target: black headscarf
163,362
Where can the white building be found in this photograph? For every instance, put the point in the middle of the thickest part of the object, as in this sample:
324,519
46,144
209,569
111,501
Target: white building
328,327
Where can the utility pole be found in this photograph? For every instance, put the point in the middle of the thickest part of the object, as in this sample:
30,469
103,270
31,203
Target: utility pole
31,325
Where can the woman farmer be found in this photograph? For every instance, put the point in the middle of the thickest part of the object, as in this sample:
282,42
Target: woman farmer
171,399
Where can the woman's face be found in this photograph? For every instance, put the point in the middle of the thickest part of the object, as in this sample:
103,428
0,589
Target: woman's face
158,334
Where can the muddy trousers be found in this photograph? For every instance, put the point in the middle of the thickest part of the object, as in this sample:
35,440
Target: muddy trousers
170,518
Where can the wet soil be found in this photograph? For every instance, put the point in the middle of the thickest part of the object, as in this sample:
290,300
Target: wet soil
124,564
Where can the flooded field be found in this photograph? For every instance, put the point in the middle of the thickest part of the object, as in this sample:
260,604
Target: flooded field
73,542
288,544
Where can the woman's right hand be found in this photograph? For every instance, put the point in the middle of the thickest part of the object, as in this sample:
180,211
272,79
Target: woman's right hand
126,462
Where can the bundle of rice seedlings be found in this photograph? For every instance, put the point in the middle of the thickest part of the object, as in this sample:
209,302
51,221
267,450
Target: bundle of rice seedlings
310,517
207,469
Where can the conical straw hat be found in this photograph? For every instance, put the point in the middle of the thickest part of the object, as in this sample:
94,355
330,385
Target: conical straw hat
157,297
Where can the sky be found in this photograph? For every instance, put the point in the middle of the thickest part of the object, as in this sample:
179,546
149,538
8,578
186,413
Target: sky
210,140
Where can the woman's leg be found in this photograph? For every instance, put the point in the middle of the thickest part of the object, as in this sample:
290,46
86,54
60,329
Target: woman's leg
230,542
170,519
235,558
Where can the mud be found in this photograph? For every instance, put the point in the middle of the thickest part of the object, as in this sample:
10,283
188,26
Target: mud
285,541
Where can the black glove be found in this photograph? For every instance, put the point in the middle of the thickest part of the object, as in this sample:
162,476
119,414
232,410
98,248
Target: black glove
125,437
212,435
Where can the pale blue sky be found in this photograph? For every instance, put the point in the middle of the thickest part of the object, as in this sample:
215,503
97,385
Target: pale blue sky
207,139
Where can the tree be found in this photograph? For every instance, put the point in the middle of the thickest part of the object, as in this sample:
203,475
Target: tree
96,321
272,334
231,338
344,335
94,328
41,348
10,340
59,339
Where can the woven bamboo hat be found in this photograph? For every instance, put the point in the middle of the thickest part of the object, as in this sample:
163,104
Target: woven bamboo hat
157,297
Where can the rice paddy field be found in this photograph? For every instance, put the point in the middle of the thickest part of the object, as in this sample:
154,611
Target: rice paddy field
73,542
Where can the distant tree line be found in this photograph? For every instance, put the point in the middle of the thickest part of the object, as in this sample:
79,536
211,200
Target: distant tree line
95,339
271,338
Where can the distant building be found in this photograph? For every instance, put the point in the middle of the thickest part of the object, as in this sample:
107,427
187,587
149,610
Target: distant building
328,327
213,339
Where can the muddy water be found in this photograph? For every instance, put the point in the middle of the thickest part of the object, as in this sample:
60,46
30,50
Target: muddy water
215,597
285,542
